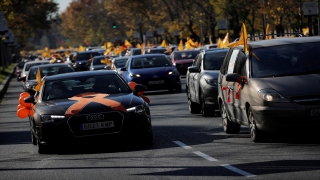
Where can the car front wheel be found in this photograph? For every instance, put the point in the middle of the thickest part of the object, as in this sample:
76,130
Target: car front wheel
193,107
255,134
204,109
229,127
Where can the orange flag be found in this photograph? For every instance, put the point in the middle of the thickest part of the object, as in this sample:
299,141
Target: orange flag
39,81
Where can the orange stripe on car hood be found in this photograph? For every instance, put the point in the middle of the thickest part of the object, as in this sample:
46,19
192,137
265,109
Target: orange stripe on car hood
87,98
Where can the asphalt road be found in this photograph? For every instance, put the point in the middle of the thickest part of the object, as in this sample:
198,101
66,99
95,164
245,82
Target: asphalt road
186,146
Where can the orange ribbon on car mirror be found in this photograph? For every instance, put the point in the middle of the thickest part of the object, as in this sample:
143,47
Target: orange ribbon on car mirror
86,98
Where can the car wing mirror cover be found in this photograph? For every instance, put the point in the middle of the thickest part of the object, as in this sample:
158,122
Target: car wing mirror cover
193,69
22,78
233,77
139,88
30,99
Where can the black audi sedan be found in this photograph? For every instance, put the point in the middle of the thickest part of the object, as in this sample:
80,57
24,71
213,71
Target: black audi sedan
85,106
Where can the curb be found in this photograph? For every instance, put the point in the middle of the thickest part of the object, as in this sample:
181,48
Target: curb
5,84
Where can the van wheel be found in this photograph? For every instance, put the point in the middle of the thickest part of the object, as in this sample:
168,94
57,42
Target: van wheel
255,134
42,149
193,107
229,127
33,138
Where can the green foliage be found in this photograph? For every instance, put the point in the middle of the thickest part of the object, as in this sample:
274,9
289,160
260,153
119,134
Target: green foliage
6,72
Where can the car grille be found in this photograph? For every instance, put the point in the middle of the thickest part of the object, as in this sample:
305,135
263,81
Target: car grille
307,100
75,123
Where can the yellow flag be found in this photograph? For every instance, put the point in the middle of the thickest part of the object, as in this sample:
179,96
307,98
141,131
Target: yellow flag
39,81
219,43
267,32
180,47
163,43
211,41
127,43
81,48
243,40
138,45
148,44
226,40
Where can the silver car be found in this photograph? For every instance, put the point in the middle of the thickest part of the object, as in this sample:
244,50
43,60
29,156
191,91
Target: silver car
273,88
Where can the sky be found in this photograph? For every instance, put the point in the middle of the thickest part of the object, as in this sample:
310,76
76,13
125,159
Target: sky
63,4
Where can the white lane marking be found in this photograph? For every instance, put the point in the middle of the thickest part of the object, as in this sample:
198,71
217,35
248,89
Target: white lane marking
209,158
182,145
239,171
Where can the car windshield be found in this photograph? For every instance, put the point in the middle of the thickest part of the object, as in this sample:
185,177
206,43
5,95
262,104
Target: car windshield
97,61
185,55
286,60
86,56
69,87
119,63
28,66
213,61
150,62
49,71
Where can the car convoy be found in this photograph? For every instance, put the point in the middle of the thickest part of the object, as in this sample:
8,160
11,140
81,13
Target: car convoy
267,85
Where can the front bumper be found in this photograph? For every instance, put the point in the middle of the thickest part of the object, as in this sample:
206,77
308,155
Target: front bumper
276,118
211,96
69,130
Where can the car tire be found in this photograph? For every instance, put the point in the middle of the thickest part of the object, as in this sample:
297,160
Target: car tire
42,149
205,111
33,138
193,107
149,138
229,127
178,89
255,134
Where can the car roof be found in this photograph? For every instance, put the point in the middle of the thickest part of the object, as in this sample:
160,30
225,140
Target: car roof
35,62
102,56
80,74
51,65
216,51
122,57
147,55
283,41
190,50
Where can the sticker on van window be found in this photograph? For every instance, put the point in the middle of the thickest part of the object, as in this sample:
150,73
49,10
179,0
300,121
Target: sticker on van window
232,61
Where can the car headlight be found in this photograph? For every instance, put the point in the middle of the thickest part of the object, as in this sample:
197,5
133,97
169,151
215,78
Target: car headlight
51,118
212,82
271,95
137,109
174,72
174,64
134,75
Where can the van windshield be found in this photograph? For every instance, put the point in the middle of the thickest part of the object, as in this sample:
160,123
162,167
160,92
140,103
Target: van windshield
286,60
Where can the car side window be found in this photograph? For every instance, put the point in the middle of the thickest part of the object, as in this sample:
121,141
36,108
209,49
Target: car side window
195,60
224,66
199,61
240,66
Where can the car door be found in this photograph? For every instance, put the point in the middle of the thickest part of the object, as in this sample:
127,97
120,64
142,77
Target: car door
226,88
191,83
239,88
196,79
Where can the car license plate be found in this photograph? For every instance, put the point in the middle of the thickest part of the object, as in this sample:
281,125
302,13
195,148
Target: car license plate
97,125
156,82
315,112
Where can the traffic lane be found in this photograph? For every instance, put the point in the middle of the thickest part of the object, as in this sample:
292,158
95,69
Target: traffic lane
162,159
165,158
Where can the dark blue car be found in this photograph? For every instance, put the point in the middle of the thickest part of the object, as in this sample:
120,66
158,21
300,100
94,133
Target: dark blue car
155,71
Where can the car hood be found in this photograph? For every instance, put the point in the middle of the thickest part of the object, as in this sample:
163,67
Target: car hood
183,61
295,85
153,71
90,103
211,73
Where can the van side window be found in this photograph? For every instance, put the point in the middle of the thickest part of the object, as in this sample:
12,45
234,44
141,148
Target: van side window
240,64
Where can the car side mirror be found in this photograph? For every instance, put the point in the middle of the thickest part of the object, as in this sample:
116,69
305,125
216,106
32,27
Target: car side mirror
233,77
139,88
23,79
123,69
193,69
30,99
